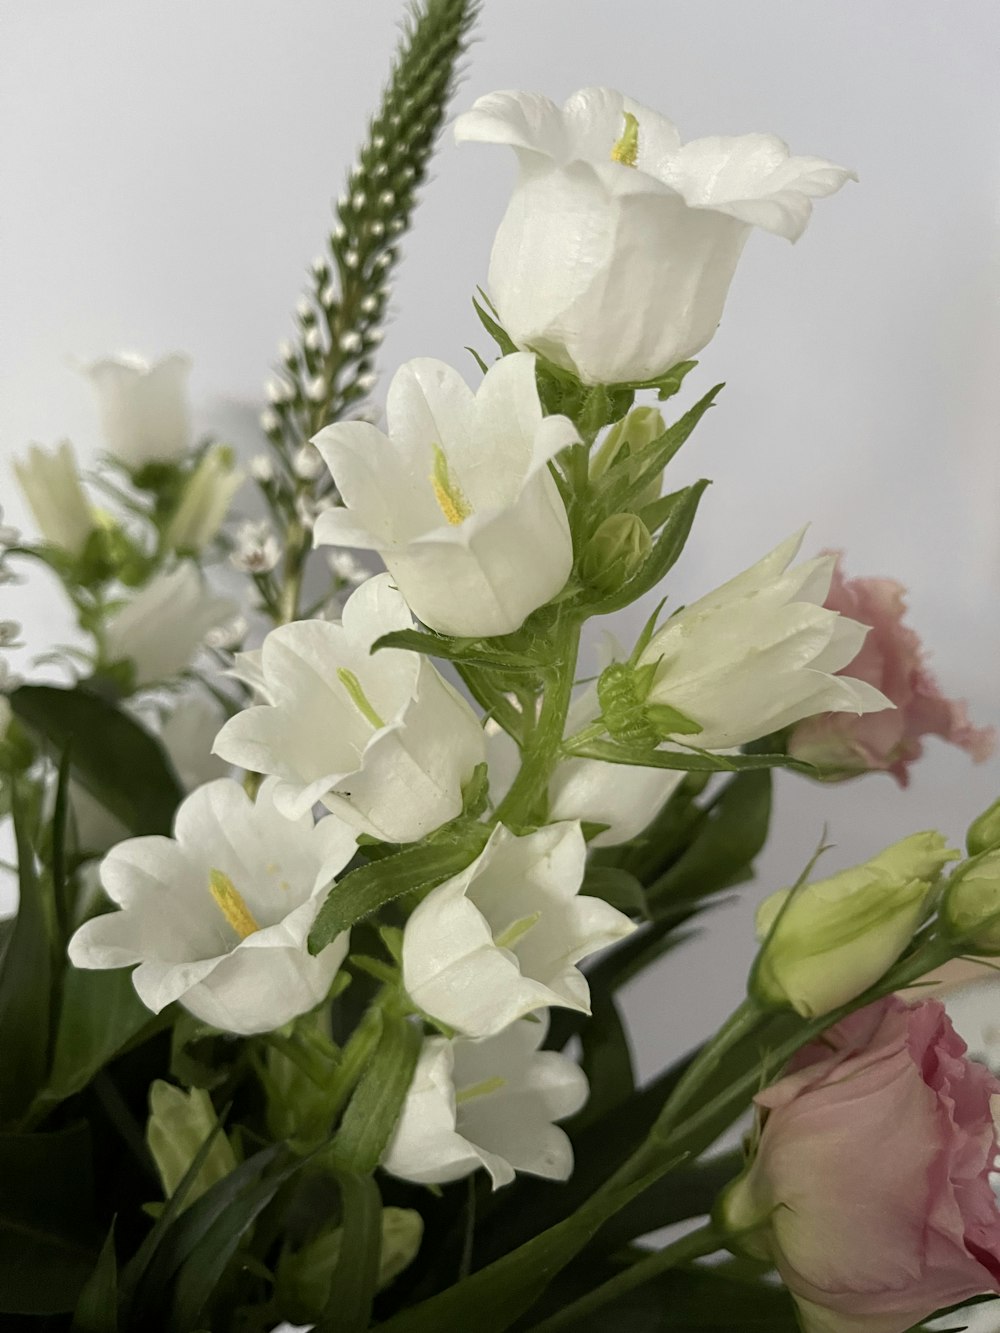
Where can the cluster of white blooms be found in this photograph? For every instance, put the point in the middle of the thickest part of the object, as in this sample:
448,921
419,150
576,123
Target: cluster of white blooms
461,499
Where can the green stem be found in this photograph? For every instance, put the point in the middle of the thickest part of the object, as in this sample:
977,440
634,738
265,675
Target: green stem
296,552
741,1023
697,1243
543,748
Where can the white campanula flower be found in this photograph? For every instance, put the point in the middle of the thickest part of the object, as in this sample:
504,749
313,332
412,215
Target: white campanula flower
759,653
143,407
619,243
50,480
205,502
457,499
380,738
489,1103
187,736
165,624
217,917
503,937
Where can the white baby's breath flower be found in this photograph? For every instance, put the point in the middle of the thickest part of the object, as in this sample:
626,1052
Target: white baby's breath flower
457,498
380,738
262,468
257,549
217,917
619,243
489,1103
307,463
503,937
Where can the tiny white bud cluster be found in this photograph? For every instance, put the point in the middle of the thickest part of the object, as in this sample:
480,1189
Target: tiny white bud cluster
256,549
262,468
307,463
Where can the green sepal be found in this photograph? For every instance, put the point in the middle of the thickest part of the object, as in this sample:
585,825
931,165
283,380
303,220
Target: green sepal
470,652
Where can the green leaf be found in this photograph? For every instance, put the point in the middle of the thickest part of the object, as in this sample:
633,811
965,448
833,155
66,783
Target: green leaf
99,1014
722,854
97,1307
617,887
374,1107
356,1274
606,1059
625,491
704,1299
470,652
47,1242
25,989
370,887
691,761
120,763
495,1297
496,331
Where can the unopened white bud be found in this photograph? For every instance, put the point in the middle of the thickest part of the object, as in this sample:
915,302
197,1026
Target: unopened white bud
396,225
366,380
358,200
350,341
269,421
339,232
374,337
386,199
313,339
345,566
316,389
328,296
262,468
380,170
286,351
307,462
319,265
376,228
304,309
228,636
369,304
378,142
352,259
278,391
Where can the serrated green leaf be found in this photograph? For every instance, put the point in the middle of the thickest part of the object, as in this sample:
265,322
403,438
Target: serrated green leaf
470,652
374,1107
109,749
623,492
496,331
97,1307
25,989
48,1245
370,887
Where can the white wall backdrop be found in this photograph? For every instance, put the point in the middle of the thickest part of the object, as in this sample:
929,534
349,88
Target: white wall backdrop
167,169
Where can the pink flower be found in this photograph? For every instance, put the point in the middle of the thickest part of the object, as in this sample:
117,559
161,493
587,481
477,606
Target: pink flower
870,1185
892,659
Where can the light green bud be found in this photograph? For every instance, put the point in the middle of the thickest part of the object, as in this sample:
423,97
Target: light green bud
971,908
984,832
304,1275
622,690
204,501
827,942
624,445
616,552
179,1123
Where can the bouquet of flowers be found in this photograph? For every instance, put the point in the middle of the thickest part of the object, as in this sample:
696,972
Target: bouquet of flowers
329,878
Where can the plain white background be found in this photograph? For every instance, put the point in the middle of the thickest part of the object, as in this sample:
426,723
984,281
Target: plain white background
167,171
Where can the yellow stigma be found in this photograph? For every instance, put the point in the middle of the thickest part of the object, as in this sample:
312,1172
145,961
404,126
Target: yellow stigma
487,1086
515,931
626,150
358,697
447,491
230,903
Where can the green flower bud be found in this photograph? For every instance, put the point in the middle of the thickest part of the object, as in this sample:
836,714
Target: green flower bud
971,908
984,832
616,552
826,942
179,1123
205,501
623,447
622,690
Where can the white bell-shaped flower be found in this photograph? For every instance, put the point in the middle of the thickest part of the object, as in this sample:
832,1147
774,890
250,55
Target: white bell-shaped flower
50,480
457,499
380,738
143,407
759,653
619,243
205,502
165,624
218,916
504,936
488,1103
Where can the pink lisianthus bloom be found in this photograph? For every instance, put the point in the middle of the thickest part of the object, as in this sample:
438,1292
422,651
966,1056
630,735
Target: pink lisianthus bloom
892,659
870,1189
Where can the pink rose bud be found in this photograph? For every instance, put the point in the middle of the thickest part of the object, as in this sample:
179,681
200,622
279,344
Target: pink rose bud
892,659
869,1189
